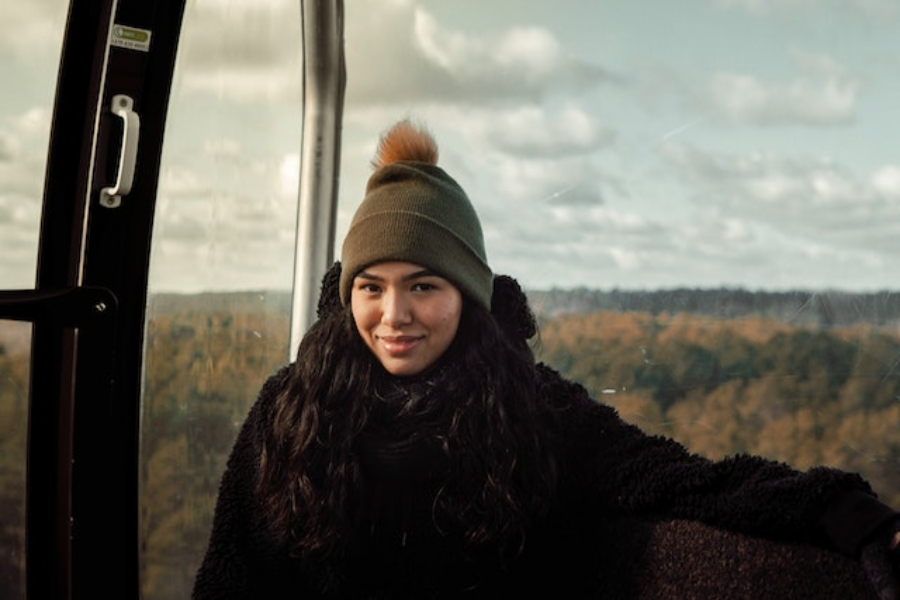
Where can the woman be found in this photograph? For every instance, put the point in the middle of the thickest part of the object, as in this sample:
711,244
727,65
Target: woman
415,449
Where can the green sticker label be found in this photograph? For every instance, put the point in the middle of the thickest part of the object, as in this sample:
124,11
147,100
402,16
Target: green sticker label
130,37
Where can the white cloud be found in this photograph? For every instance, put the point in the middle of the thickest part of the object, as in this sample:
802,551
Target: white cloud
250,85
23,141
31,34
823,92
179,181
532,51
8,147
765,7
248,52
226,148
19,222
289,175
538,131
401,54
398,54
571,238
886,182
225,220
33,31
561,181
815,200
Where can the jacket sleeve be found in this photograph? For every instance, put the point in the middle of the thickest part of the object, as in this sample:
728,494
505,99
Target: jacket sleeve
622,469
233,553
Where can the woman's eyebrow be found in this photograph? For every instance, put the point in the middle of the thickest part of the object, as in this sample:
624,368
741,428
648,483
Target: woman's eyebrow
367,275
419,274
408,277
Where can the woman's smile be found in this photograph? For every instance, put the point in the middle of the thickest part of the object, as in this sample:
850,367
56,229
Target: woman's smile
400,344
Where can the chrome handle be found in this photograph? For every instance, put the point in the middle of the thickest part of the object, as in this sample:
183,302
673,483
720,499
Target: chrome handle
111,197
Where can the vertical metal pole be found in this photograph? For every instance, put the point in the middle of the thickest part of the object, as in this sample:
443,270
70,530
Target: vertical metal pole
324,78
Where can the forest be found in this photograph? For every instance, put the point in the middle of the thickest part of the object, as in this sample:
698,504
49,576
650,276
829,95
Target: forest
787,383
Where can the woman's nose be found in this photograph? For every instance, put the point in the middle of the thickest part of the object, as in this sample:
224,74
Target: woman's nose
395,309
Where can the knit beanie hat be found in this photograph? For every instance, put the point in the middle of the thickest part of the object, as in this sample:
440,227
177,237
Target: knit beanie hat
414,212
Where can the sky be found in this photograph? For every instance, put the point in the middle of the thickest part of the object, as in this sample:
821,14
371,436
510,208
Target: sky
631,144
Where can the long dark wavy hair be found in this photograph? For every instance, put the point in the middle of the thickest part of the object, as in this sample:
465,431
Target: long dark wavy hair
494,435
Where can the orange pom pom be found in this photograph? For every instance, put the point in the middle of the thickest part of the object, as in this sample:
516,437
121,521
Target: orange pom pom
406,142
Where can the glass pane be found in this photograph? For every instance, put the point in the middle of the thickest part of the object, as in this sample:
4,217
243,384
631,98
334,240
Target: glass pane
701,200
31,36
221,266
15,351
703,216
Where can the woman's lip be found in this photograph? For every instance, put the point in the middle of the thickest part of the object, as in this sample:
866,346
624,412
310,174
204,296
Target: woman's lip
399,344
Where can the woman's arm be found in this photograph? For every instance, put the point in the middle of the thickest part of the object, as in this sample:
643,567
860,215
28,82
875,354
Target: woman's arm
623,469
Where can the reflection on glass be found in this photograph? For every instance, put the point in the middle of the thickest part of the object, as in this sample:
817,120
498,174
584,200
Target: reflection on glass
221,267
15,351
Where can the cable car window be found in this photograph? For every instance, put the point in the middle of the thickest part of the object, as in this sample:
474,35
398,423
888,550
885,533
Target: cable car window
30,43
221,266
700,200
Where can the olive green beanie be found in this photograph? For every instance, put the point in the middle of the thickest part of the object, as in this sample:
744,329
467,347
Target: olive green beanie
414,212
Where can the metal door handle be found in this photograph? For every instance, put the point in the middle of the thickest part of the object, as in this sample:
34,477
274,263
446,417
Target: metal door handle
111,197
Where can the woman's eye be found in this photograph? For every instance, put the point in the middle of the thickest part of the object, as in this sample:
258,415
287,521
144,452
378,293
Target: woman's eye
423,287
369,288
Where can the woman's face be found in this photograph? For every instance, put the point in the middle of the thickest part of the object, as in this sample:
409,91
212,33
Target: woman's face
406,314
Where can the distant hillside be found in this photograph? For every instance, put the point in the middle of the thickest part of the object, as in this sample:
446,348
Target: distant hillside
825,309
832,308
267,302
